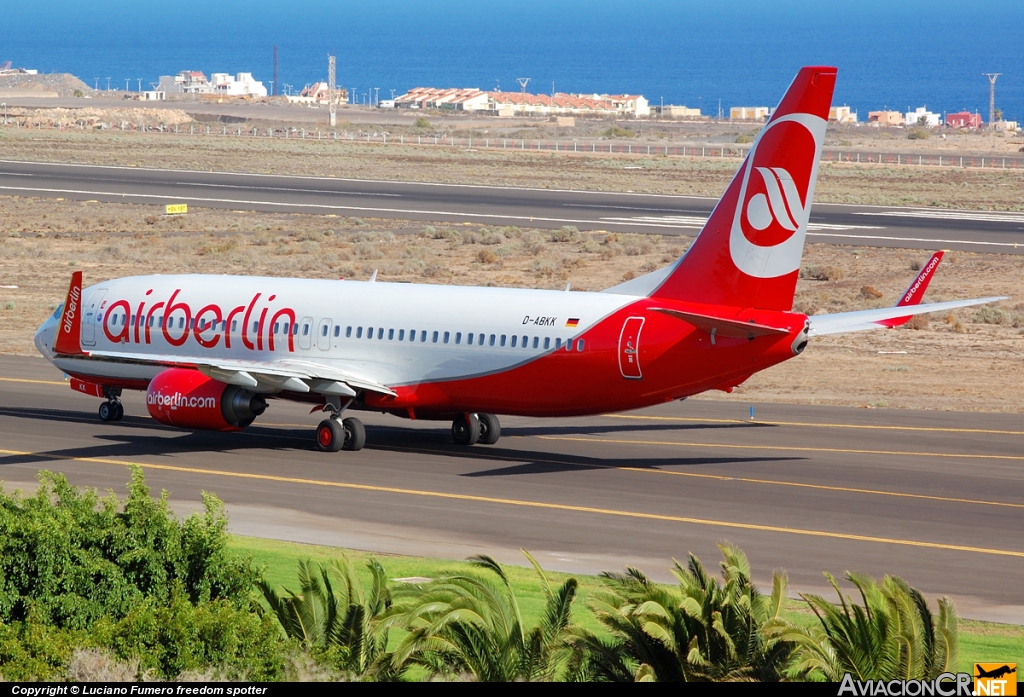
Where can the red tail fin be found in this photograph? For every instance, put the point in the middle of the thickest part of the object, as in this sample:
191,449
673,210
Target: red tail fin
69,330
748,253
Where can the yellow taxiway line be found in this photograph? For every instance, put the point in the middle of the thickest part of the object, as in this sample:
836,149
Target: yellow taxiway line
808,424
533,504
787,448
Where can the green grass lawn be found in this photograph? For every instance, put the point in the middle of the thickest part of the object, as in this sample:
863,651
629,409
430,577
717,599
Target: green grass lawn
979,641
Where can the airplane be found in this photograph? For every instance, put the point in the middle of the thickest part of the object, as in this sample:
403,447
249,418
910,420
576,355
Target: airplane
210,351
996,673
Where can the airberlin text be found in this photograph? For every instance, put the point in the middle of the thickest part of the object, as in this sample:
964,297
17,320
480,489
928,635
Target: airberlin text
211,323
946,685
177,400
54,690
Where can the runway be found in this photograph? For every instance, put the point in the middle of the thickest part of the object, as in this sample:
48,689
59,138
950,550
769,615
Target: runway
935,497
915,228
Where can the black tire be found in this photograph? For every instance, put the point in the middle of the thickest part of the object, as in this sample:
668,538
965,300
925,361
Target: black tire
118,411
466,431
355,434
330,436
490,429
107,411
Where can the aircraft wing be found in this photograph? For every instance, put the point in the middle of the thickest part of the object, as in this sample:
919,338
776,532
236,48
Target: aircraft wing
862,320
290,375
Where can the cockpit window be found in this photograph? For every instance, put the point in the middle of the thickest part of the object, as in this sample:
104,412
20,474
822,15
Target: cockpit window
58,311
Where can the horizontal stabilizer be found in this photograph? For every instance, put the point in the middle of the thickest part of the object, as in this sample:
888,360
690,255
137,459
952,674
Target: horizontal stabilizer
716,326
862,320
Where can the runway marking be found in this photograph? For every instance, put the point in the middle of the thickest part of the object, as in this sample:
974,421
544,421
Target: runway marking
789,448
807,424
729,478
982,216
929,240
34,382
697,222
536,504
312,206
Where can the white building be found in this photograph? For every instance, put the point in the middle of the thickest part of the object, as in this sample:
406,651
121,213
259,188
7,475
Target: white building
672,111
241,85
922,117
748,113
842,114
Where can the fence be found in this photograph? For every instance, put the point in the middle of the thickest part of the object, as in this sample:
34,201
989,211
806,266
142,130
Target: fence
566,146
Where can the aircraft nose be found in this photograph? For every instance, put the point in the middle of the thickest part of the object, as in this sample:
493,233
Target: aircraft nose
45,335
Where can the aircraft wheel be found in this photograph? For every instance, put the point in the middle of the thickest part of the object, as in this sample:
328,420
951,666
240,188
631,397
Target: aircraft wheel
355,433
466,431
107,412
118,411
490,429
330,436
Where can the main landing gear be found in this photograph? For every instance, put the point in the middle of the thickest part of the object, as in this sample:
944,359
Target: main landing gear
336,434
470,429
112,409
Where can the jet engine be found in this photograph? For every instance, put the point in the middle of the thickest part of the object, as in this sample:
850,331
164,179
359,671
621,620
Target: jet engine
189,399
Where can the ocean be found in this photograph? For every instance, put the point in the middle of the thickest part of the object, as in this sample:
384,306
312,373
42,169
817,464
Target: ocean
893,54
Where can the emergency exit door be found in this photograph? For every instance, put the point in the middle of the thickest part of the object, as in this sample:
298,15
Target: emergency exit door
629,348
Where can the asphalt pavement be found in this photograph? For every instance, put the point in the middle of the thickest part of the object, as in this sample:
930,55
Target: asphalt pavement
935,497
877,226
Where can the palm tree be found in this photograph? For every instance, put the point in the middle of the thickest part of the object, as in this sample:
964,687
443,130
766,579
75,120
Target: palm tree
700,630
463,623
893,636
343,625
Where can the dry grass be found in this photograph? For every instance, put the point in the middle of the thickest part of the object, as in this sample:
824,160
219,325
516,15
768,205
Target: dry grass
43,241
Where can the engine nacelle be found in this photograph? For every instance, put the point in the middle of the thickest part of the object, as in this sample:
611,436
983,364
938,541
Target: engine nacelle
189,399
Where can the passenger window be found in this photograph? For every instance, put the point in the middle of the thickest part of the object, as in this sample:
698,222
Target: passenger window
547,342
536,341
558,343
380,333
526,342
234,325
447,335
151,320
285,328
277,327
458,337
305,330
255,327
359,332
491,342
514,338
133,320
324,332
369,332
295,329
435,337
412,335
337,330
192,324
579,345
391,335
401,335
423,336
348,332
469,339
502,339
181,323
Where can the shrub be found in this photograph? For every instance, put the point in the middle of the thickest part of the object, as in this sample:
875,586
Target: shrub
821,273
870,293
566,233
919,134
421,122
616,132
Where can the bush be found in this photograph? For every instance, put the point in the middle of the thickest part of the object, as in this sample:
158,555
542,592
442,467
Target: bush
616,132
421,122
919,134
821,273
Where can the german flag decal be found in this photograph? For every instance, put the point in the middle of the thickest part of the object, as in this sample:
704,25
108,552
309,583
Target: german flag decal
572,322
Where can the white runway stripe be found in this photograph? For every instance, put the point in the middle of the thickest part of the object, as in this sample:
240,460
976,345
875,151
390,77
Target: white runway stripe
698,222
984,216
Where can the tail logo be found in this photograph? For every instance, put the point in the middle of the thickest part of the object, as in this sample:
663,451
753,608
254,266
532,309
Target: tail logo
770,222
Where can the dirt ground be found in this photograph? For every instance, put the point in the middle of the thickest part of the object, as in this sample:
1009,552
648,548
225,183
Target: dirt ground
944,187
966,360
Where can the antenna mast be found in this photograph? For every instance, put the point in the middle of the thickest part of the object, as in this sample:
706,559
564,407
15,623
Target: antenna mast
330,91
276,86
522,83
991,97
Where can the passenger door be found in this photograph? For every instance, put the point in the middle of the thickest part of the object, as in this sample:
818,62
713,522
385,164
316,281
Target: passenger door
89,317
629,348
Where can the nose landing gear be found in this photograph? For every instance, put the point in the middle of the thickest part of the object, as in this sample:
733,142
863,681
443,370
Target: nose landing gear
112,409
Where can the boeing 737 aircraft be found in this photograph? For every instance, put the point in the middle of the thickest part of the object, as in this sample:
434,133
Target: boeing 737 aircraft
209,351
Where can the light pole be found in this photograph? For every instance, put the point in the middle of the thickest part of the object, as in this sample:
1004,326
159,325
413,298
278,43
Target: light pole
126,84
376,97
108,84
97,84
140,84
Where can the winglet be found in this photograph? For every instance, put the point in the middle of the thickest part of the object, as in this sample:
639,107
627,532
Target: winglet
915,291
69,329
